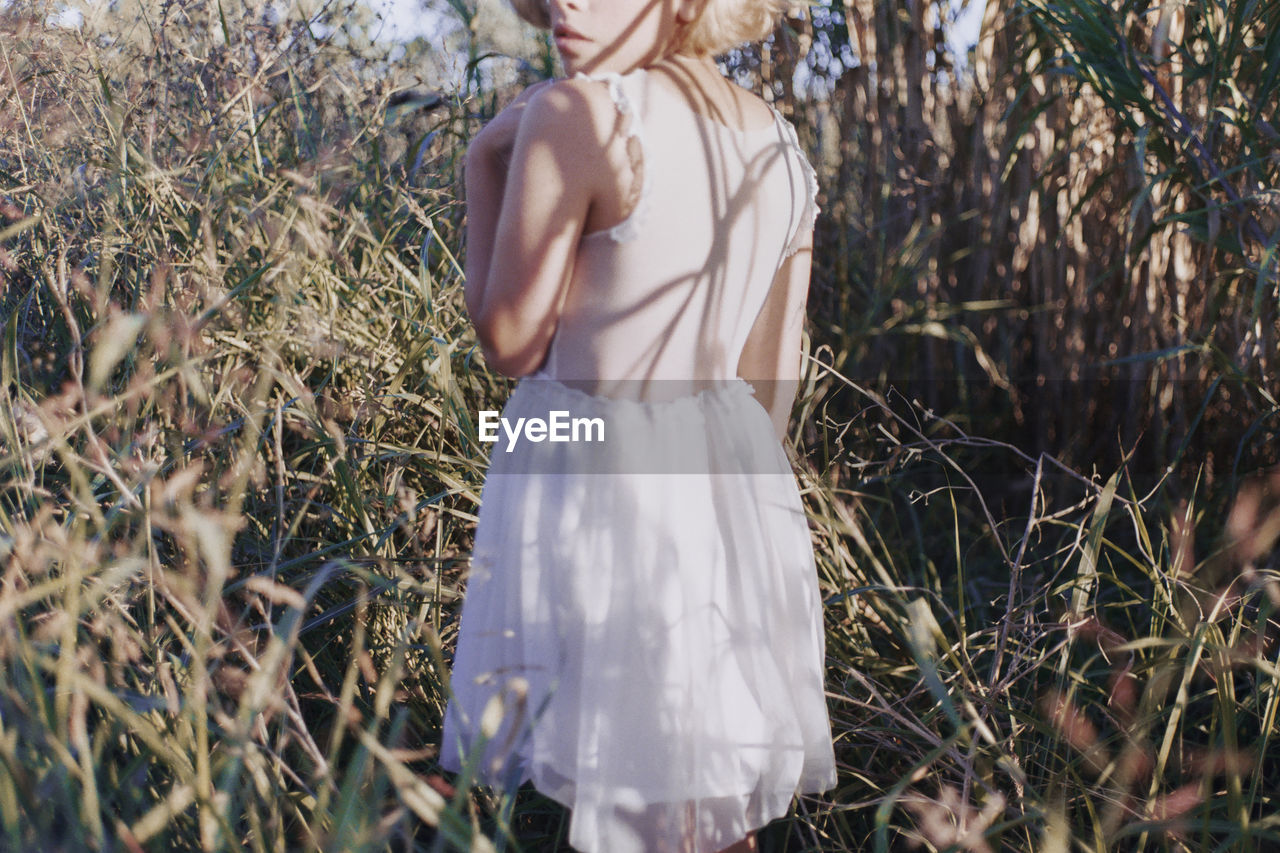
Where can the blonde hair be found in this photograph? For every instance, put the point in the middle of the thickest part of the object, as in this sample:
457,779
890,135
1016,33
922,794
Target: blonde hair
721,26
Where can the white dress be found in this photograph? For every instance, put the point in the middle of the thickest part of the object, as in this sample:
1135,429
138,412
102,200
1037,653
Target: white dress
642,632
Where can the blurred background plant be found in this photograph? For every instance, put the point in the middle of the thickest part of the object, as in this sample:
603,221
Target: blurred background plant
240,471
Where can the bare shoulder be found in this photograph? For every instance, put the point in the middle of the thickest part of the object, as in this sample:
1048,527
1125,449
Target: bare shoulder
712,95
574,113
754,110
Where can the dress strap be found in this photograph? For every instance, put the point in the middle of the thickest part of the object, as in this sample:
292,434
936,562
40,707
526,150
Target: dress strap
810,213
629,228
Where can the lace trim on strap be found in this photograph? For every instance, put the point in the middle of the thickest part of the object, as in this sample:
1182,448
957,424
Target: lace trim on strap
629,228
810,213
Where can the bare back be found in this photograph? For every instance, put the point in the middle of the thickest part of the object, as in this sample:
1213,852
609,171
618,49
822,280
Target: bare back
722,195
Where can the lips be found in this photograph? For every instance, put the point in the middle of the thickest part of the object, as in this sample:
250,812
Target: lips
564,32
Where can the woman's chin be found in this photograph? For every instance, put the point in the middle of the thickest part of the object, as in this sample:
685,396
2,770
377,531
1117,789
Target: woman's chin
573,65
574,62
571,59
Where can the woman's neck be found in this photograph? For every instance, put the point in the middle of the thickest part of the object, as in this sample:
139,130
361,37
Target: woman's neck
688,64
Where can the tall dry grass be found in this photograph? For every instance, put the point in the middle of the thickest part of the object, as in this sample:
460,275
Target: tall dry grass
1072,229
240,473
235,496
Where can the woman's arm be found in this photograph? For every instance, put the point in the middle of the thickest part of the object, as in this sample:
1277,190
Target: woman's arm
488,162
521,276
486,181
771,357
